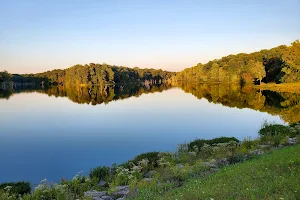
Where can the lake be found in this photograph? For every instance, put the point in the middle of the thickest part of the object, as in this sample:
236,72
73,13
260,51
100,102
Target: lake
53,133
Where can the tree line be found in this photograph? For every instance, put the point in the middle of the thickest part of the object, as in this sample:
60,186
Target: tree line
279,65
99,74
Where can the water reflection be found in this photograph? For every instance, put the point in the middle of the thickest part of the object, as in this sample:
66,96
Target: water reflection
286,105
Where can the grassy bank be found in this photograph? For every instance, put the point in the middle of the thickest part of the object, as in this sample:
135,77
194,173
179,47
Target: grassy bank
275,175
283,87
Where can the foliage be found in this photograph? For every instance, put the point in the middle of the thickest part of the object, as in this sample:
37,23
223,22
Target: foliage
152,157
280,64
17,187
200,142
277,134
101,173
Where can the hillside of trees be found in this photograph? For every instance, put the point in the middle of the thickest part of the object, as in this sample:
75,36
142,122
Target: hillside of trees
279,65
91,74
99,74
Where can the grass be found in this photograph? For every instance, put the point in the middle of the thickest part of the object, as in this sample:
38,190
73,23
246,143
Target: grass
283,87
275,175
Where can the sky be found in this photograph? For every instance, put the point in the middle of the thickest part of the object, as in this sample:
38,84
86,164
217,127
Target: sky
36,36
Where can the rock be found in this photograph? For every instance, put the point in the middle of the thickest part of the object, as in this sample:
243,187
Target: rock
121,191
291,141
256,152
106,198
150,174
97,198
222,162
121,198
212,166
123,187
102,183
94,193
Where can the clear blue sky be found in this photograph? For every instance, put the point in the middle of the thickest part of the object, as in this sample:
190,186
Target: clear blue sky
37,35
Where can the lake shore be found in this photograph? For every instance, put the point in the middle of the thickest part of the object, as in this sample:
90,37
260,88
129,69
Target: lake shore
157,175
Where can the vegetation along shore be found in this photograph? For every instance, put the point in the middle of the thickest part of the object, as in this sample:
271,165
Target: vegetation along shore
274,66
222,168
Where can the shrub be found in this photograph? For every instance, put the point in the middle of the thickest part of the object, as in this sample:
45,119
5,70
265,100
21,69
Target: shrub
101,173
183,155
200,142
151,156
275,134
17,187
274,129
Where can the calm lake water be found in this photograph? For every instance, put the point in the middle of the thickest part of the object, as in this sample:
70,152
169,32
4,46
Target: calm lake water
57,132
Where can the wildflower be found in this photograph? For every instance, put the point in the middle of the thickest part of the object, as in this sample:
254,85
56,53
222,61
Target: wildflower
87,180
196,149
44,181
143,162
8,188
136,168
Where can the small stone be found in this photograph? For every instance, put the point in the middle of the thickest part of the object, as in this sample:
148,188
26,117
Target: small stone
94,193
106,198
256,152
292,141
121,191
102,183
123,187
213,166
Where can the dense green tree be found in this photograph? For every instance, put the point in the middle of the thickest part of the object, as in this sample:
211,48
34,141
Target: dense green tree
280,65
258,70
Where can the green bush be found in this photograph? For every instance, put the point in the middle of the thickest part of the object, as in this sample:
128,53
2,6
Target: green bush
153,157
17,187
101,173
200,142
275,134
274,129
